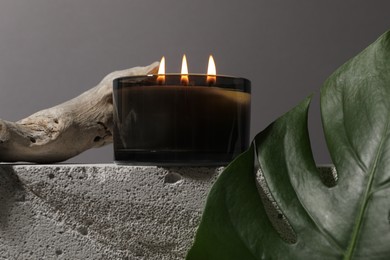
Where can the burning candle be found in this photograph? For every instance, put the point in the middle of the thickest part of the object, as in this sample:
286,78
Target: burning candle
184,71
181,119
161,72
211,71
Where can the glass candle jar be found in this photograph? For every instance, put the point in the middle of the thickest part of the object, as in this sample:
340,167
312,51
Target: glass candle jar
161,120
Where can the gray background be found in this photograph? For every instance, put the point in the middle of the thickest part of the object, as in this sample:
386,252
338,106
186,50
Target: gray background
51,51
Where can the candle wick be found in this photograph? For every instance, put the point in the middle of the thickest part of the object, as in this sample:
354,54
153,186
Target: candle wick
211,80
160,79
184,80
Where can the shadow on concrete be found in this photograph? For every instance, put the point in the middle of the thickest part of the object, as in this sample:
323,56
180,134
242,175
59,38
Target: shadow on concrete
194,173
11,191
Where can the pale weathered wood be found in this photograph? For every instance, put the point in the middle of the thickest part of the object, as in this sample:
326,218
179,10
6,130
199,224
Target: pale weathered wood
61,132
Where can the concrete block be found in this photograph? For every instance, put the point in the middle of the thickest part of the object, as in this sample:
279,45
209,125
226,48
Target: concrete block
110,212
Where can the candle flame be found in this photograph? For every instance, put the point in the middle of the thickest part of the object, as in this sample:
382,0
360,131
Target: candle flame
161,72
184,71
161,68
211,71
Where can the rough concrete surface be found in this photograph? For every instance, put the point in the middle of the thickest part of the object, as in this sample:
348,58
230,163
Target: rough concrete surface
100,211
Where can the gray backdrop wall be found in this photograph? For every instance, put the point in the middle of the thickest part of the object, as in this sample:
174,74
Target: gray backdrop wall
51,51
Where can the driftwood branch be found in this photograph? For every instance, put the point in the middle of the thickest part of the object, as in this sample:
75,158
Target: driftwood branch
61,132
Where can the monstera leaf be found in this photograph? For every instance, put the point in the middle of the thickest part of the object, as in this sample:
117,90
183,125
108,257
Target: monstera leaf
349,220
